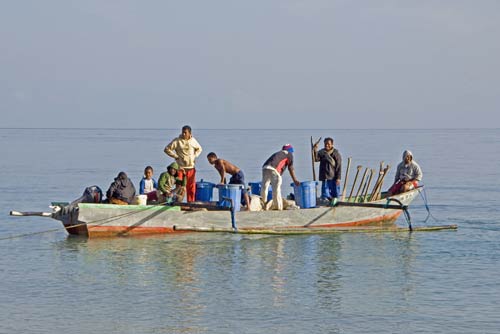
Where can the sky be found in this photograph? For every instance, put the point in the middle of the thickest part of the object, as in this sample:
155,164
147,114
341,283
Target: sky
260,64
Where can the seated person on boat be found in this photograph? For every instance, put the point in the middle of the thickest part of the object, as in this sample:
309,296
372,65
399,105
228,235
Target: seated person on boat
171,185
407,176
121,191
148,185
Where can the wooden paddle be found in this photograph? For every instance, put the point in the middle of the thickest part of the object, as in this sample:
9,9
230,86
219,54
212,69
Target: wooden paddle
379,190
364,193
381,170
378,186
361,184
345,179
355,178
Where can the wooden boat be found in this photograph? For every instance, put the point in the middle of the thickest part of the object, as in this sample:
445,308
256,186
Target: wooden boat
98,220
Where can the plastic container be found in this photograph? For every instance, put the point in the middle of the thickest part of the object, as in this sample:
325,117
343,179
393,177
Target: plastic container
204,191
256,187
141,199
305,194
232,191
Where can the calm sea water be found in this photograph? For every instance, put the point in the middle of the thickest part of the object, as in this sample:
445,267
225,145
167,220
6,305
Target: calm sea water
432,282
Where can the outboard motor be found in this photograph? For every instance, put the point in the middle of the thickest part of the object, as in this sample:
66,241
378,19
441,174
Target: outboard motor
92,194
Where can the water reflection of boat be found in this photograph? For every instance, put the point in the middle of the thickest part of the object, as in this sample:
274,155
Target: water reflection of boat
93,220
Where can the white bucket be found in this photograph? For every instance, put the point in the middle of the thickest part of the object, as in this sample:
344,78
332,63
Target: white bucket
141,199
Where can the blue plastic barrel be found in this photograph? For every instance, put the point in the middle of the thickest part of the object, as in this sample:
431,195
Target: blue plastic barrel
256,187
204,191
305,194
232,191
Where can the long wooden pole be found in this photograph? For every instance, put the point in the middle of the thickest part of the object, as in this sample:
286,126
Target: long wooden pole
346,176
313,156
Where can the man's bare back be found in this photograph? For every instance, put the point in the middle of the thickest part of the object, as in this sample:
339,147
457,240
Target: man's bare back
224,166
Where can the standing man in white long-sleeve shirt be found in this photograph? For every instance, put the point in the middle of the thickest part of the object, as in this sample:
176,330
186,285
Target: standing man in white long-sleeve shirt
185,149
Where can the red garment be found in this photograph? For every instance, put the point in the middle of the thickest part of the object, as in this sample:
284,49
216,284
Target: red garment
190,175
396,187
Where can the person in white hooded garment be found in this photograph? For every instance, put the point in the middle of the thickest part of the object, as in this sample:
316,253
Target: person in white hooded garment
408,175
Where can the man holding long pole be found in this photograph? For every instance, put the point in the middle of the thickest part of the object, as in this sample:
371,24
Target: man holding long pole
330,170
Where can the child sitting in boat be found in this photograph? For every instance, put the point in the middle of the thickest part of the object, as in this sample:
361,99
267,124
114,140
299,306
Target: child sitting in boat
148,185
121,191
171,187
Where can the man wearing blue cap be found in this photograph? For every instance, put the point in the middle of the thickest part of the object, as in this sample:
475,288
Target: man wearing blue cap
272,170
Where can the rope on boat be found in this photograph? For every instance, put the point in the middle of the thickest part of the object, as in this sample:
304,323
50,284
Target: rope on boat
29,234
426,203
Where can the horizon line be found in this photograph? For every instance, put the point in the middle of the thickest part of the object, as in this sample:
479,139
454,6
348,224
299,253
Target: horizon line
111,128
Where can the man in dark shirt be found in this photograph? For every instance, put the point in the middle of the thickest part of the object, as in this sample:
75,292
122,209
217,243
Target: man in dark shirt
330,169
272,170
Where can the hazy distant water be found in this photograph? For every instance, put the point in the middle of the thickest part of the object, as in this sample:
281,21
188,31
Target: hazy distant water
445,282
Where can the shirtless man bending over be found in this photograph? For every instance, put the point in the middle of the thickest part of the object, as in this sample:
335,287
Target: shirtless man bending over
237,177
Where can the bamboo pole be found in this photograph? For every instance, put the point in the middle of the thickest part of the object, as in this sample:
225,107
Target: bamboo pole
317,230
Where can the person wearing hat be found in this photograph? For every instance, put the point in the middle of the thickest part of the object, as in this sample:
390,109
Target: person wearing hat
330,169
408,175
272,170
121,191
171,184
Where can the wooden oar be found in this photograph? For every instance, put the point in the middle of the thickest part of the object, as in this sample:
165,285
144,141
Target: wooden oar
378,186
355,178
364,194
381,170
361,184
346,176
379,190
313,156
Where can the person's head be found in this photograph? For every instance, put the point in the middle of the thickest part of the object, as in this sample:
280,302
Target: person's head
148,172
173,168
407,157
186,132
287,147
328,143
122,176
211,157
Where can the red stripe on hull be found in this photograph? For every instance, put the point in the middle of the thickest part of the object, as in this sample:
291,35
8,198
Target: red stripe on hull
382,220
112,231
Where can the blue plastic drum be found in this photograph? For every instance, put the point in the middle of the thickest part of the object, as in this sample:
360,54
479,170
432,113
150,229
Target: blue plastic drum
232,191
204,191
305,194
